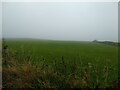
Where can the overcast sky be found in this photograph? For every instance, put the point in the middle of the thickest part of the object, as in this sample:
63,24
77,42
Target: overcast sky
81,21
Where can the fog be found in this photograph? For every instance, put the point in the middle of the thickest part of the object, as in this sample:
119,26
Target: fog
82,21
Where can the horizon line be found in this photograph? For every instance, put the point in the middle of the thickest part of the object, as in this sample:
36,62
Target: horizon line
55,39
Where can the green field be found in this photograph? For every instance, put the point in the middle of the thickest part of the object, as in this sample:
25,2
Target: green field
100,61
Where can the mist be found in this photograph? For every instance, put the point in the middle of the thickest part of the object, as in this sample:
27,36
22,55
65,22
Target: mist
82,21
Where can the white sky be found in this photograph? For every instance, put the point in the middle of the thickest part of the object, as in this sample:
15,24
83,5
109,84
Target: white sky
60,0
63,20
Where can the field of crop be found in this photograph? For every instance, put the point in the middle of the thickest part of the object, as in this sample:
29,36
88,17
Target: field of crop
91,64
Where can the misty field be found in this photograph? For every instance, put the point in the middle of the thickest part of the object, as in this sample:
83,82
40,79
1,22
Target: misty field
55,64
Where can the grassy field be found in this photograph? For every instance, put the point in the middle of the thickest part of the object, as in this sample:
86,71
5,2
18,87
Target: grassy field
92,64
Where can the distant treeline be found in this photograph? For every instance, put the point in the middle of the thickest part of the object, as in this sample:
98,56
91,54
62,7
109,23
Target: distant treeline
108,42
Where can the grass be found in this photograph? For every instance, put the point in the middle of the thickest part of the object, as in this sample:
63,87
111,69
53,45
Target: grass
56,64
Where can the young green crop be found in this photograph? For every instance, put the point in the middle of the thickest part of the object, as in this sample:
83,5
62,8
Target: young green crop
97,60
